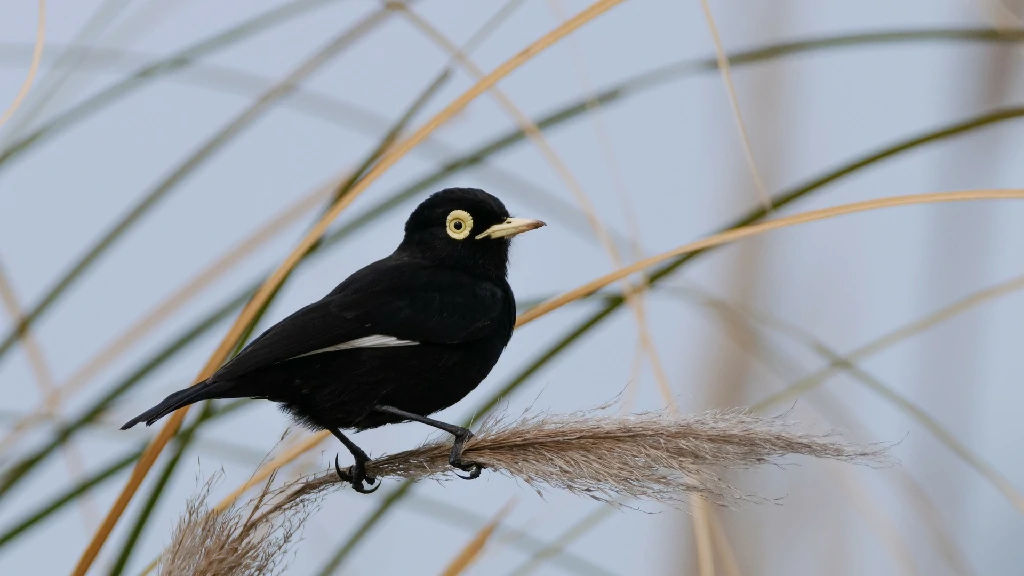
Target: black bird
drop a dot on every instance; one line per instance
(400, 339)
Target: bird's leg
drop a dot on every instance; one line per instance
(461, 435)
(356, 473)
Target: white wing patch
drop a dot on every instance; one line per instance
(375, 341)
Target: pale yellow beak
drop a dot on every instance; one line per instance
(510, 227)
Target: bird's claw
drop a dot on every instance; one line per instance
(473, 468)
(356, 476)
(455, 460)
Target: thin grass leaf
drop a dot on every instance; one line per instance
(157, 490)
(186, 435)
(346, 186)
(392, 156)
(33, 67)
(190, 164)
(17, 472)
(66, 62)
(911, 409)
(464, 519)
(558, 545)
(68, 497)
(155, 70)
(470, 553)
(251, 539)
(613, 303)
(631, 86)
(95, 480)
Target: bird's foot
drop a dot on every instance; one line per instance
(356, 476)
(455, 459)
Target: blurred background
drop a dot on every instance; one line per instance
(170, 154)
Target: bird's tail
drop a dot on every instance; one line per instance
(202, 391)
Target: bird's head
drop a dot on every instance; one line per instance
(465, 228)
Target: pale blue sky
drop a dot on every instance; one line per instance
(848, 281)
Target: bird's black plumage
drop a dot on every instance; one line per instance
(398, 340)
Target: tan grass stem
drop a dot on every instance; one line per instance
(165, 309)
(247, 540)
(726, 70)
(44, 380)
(389, 159)
(655, 456)
(742, 232)
(33, 67)
(536, 137)
(470, 553)
(730, 236)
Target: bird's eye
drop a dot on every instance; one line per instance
(459, 224)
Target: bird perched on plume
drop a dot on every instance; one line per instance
(398, 340)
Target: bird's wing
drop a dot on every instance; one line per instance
(418, 305)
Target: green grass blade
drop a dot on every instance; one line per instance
(69, 496)
(93, 481)
(462, 518)
(183, 440)
(389, 500)
(162, 67)
(779, 201)
(185, 168)
(15, 473)
(185, 436)
(553, 549)
(633, 85)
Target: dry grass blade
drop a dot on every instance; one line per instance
(471, 552)
(270, 286)
(722, 238)
(723, 66)
(633, 295)
(37, 54)
(44, 378)
(655, 456)
(741, 232)
(250, 540)
(164, 310)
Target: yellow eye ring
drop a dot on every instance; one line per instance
(459, 224)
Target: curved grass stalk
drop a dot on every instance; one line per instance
(743, 232)
(270, 286)
(614, 302)
(161, 312)
(50, 84)
(263, 103)
(890, 339)
(722, 60)
(534, 134)
(326, 107)
(17, 472)
(523, 540)
(44, 381)
(150, 72)
(96, 479)
(632, 85)
(927, 509)
(157, 490)
(981, 121)
(338, 192)
(557, 546)
(472, 550)
(904, 404)
(33, 67)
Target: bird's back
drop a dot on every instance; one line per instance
(427, 337)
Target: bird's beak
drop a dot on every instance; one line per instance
(510, 227)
